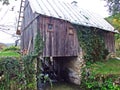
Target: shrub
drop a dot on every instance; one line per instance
(11, 48)
(10, 71)
(92, 81)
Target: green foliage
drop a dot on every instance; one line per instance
(101, 75)
(10, 70)
(115, 21)
(29, 71)
(38, 44)
(111, 66)
(29, 61)
(98, 82)
(38, 49)
(21, 72)
(45, 78)
(92, 44)
(10, 52)
(11, 48)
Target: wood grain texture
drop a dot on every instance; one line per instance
(58, 42)
(60, 39)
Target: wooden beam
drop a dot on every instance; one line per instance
(30, 23)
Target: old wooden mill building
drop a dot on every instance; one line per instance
(56, 20)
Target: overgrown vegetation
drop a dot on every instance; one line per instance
(115, 20)
(102, 76)
(11, 51)
(111, 66)
(92, 44)
(23, 72)
(98, 73)
(11, 48)
(10, 72)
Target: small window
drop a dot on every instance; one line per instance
(71, 32)
(50, 27)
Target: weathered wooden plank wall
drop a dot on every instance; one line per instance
(28, 31)
(60, 40)
(109, 41)
(59, 35)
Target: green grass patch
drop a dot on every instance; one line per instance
(102, 75)
(111, 66)
(11, 51)
(9, 54)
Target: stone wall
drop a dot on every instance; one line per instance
(69, 68)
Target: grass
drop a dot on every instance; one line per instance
(9, 54)
(111, 66)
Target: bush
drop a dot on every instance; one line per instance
(10, 72)
(92, 81)
(11, 48)
(17, 74)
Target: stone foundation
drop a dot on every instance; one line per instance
(69, 68)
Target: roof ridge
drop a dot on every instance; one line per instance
(66, 11)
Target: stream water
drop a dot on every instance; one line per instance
(60, 86)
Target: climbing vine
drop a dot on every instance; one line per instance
(92, 44)
(29, 71)
(38, 49)
(38, 52)
(21, 73)
(31, 60)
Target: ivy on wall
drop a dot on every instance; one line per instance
(92, 44)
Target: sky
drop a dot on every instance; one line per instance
(8, 21)
(97, 6)
(8, 16)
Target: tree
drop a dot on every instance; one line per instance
(5, 2)
(114, 6)
(115, 21)
(114, 9)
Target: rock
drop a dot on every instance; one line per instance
(70, 68)
(74, 67)
(117, 82)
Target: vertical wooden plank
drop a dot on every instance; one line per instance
(47, 38)
(109, 40)
(55, 37)
(28, 34)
